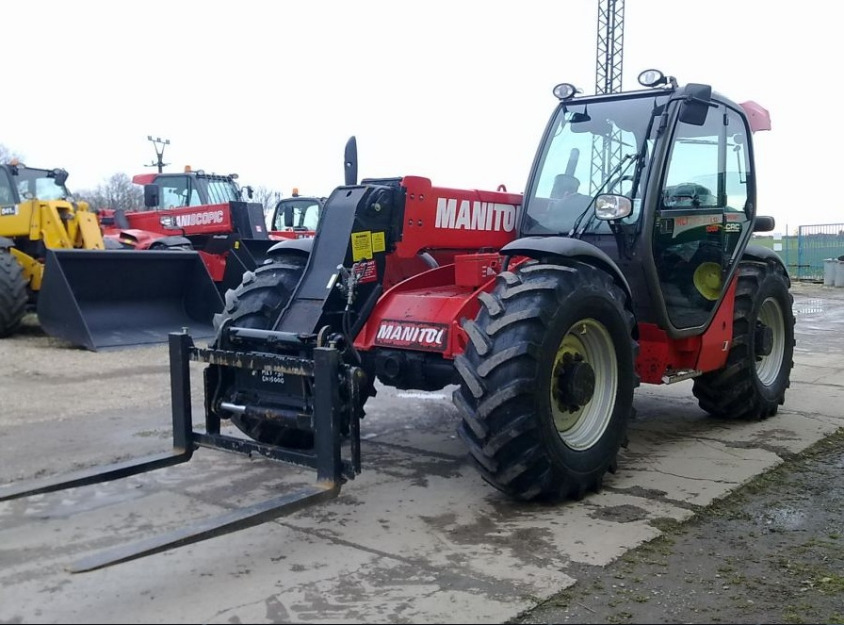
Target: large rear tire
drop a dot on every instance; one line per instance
(257, 303)
(752, 384)
(547, 381)
(13, 296)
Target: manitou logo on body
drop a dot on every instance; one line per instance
(468, 215)
(199, 219)
(428, 336)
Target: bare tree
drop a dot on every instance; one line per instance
(117, 192)
(268, 198)
(7, 154)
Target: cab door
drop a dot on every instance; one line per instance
(702, 215)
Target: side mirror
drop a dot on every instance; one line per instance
(61, 176)
(152, 195)
(694, 108)
(609, 207)
(763, 223)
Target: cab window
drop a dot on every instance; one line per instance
(7, 195)
(174, 191)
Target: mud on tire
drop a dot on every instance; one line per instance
(13, 296)
(547, 380)
(752, 384)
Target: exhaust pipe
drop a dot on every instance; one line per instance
(100, 299)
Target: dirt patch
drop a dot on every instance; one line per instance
(772, 552)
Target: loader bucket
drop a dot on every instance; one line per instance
(257, 248)
(101, 299)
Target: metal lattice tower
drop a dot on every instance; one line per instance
(610, 62)
(606, 151)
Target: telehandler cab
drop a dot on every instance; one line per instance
(628, 259)
(295, 217)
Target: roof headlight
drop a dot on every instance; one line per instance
(565, 91)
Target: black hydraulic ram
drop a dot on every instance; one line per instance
(324, 367)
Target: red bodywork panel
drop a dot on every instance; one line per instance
(215, 263)
(142, 179)
(422, 307)
(660, 355)
(440, 218)
(291, 234)
(210, 219)
(422, 313)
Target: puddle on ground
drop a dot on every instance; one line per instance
(812, 306)
(787, 519)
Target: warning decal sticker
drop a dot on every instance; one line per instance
(378, 242)
(361, 245)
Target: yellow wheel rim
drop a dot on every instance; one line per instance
(588, 341)
(707, 279)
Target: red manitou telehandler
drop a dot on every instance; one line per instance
(627, 259)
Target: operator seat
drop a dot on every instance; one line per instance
(564, 204)
(689, 195)
(564, 185)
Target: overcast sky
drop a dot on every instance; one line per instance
(456, 91)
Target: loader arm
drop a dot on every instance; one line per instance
(62, 224)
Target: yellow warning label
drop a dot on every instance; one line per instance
(361, 245)
(378, 242)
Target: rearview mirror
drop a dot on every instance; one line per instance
(763, 223)
(151, 195)
(609, 207)
(61, 176)
(694, 108)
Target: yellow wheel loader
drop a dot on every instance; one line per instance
(37, 213)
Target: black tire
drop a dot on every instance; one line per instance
(256, 303)
(180, 247)
(752, 384)
(258, 300)
(13, 295)
(542, 337)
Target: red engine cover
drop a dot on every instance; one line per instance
(461, 230)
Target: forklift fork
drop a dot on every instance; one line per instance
(332, 470)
